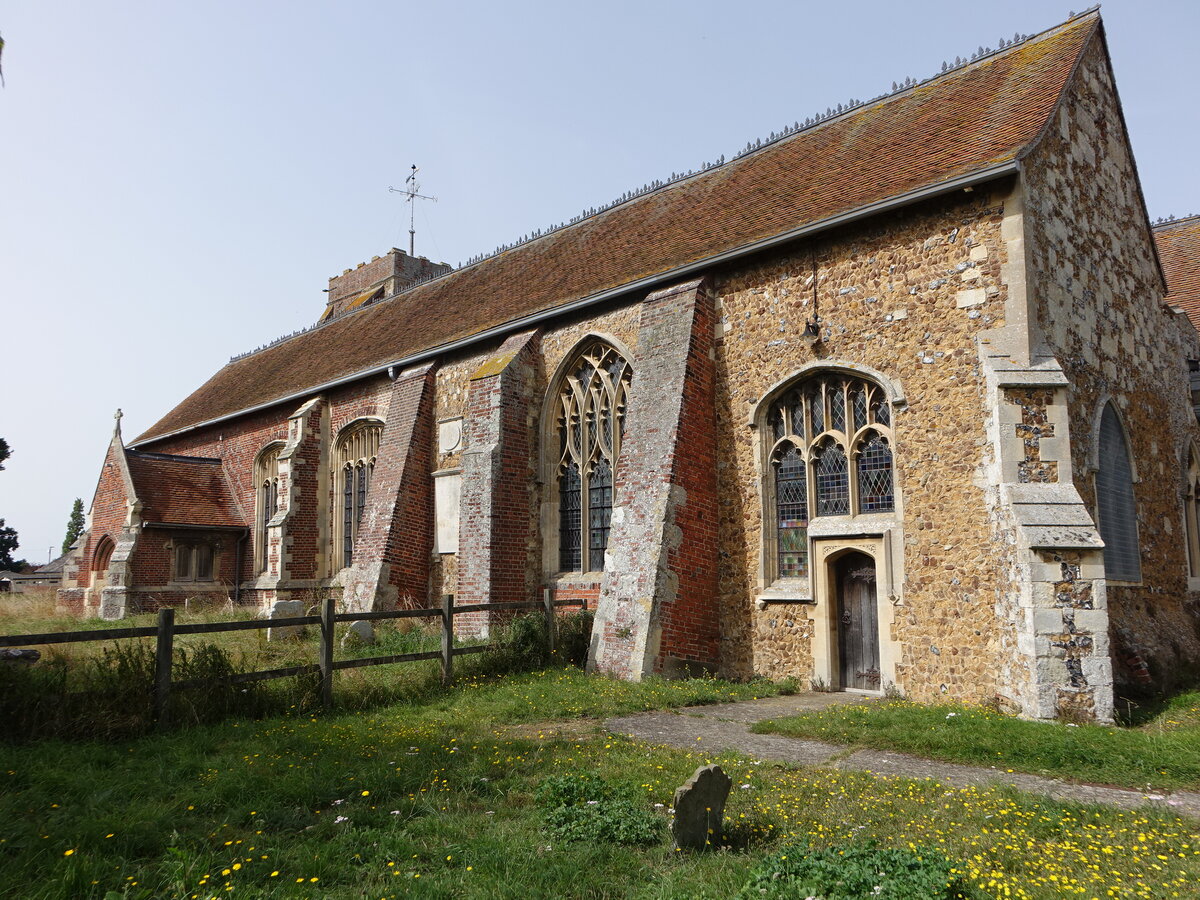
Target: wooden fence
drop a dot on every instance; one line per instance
(166, 631)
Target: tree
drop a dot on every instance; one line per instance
(74, 525)
(8, 543)
(8, 536)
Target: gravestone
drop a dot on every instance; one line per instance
(360, 633)
(19, 656)
(700, 808)
(286, 609)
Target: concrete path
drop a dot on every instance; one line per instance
(726, 726)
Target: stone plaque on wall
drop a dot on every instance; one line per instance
(447, 488)
(449, 435)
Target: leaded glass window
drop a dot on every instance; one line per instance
(570, 519)
(1115, 504)
(831, 472)
(791, 506)
(831, 455)
(591, 424)
(354, 459)
(875, 475)
(266, 478)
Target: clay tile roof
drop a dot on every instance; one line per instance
(1179, 251)
(963, 122)
(183, 490)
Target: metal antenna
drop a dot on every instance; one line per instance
(411, 192)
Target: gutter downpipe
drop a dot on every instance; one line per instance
(1009, 167)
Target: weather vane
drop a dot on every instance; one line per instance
(411, 192)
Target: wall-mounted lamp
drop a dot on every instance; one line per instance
(812, 329)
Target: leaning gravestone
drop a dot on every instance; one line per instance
(286, 609)
(360, 633)
(700, 808)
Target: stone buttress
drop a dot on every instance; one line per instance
(1056, 659)
(395, 536)
(657, 609)
(497, 512)
(296, 534)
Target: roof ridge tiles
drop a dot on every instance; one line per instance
(1164, 222)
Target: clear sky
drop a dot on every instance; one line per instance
(179, 180)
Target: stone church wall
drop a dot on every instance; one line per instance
(905, 295)
(1093, 266)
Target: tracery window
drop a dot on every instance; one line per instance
(590, 424)
(1191, 514)
(266, 481)
(831, 455)
(354, 461)
(1115, 507)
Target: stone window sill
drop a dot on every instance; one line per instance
(786, 592)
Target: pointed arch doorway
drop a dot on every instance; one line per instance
(857, 616)
(854, 612)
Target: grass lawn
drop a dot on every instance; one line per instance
(1162, 752)
(438, 799)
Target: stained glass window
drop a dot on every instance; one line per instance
(591, 427)
(812, 429)
(791, 505)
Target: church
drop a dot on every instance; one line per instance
(901, 399)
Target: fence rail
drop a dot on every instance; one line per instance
(166, 630)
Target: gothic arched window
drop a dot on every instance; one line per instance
(353, 462)
(1115, 507)
(266, 500)
(1191, 514)
(830, 455)
(590, 414)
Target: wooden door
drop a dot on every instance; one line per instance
(858, 623)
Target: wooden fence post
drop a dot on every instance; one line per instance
(325, 660)
(447, 639)
(551, 631)
(163, 653)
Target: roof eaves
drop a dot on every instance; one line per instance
(990, 173)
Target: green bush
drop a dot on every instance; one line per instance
(852, 872)
(572, 790)
(612, 821)
(588, 808)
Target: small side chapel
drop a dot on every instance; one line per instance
(903, 398)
